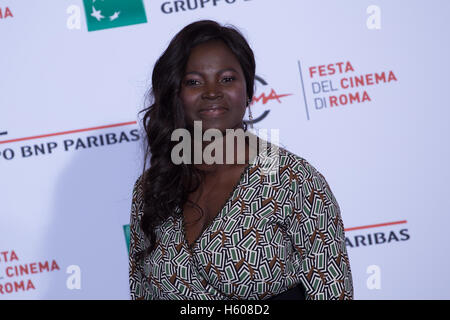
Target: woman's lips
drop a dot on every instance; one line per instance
(213, 111)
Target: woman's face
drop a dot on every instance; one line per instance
(213, 89)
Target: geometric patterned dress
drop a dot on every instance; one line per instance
(274, 232)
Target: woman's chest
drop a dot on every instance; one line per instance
(206, 203)
(244, 251)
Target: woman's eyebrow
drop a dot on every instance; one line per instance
(227, 69)
(219, 72)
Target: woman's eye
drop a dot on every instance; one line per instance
(228, 79)
(191, 82)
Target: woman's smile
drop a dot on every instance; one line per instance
(212, 111)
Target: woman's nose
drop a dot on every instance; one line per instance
(212, 91)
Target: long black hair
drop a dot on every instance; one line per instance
(165, 185)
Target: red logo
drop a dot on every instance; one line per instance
(272, 96)
(264, 98)
(18, 273)
(5, 13)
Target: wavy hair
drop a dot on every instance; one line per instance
(166, 186)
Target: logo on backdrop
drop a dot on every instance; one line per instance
(168, 7)
(261, 101)
(383, 236)
(126, 232)
(17, 275)
(337, 85)
(105, 14)
(5, 13)
(28, 150)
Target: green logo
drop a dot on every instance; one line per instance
(105, 14)
(126, 231)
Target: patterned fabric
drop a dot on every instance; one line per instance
(274, 232)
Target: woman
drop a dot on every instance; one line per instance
(231, 230)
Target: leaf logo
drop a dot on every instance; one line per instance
(106, 14)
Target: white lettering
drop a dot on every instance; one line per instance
(74, 280)
(374, 20)
(374, 280)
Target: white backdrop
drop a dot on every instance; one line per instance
(70, 149)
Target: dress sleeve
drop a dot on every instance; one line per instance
(138, 284)
(316, 230)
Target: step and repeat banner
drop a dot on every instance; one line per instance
(357, 88)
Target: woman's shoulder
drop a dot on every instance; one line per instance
(305, 174)
(298, 165)
(139, 183)
(137, 187)
(138, 196)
